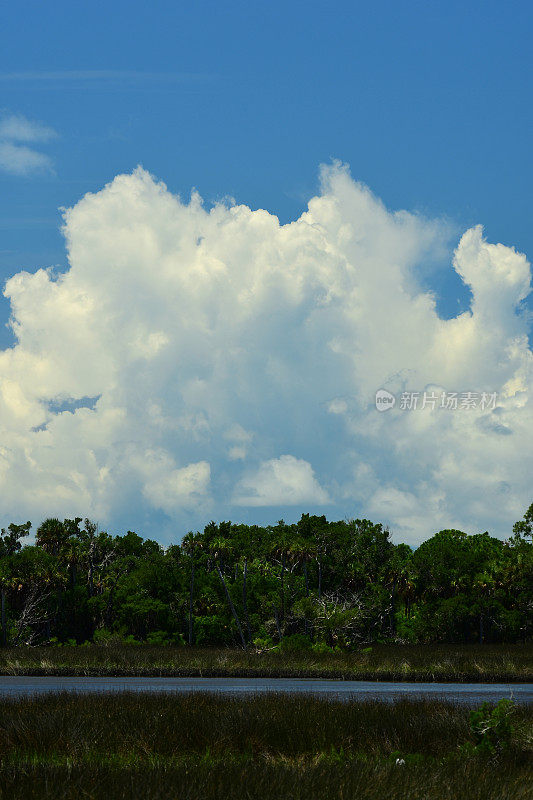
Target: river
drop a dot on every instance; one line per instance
(464, 693)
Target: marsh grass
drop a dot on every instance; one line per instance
(165, 725)
(135, 745)
(266, 782)
(457, 663)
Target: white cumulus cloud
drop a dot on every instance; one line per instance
(167, 488)
(215, 341)
(281, 481)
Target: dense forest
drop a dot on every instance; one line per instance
(312, 584)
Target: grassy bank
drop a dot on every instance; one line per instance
(268, 747)
(460, 663)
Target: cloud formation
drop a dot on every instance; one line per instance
(16, 157)
(234, 361)
(284, 481)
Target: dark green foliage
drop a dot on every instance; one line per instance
(295, 643)
(325, 585)
(492, 727)
(525, 527)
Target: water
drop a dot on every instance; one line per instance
(464, 693)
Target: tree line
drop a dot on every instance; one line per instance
(312, 584)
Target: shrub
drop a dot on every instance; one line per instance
(164, 638)
(492, 727)
(322, 647)
(108, 638)
(264, 643)
(212, 629)
(295, 643)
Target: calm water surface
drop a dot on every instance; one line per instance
(467, 693)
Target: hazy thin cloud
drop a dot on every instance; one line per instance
(16, 157)
(15, 127)
(103, 75)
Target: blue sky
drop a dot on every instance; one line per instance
(429, 104)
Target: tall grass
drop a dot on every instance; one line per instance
(496, 663)
(169, 726)
(134, 745)
(353, 781)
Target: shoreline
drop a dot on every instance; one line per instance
(382, 663)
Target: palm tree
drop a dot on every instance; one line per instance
(302, 550)
(9, 545)
(245, 598)
(485, 585)
(281, 549)
(34, 580)
(219, 549)
(51, 536)
(189, 544)
(3, 622)
(320, 554)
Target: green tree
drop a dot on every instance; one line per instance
(525, 526)
(9, 545)
(220, 549)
